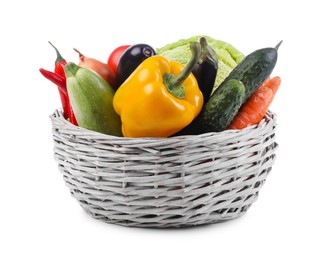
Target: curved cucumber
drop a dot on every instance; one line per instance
(220, 110)
(253, 70)
(91, 99)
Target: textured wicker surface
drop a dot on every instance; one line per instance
(169, 182)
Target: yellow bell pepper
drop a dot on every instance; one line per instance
(159, 98)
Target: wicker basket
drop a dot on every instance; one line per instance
(165, 182)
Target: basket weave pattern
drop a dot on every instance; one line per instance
(165, 182)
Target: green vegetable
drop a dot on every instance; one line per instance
(254, 69)
(91, 99)
(220, 110)
(228, 56)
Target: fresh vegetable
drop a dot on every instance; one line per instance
(166, 93)
(253, 70)
(132, 57)
(220, 110)
(205, 71)
(254, 109)
(61, 84)
(114, 58)
(228, 55)
(227, 99)
(91, 98)
(59, 78)
(99, 67)
(60, 63)
(159, 98)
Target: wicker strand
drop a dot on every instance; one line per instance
(165, 182)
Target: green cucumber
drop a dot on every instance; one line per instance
(253, 70)
(236, 88)
(219, 111)
(91, 99)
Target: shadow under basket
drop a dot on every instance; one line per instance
(165, 182)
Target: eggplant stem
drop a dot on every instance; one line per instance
(208, 53)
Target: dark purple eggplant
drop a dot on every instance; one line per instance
(131, 58)
(205, 71)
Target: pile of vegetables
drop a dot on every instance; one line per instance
(192, 86)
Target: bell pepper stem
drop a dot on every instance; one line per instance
(196, 52)
(173, 83)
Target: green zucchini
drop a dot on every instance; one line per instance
(219, 111)
(91, 99)
(253, 70)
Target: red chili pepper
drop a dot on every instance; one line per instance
(60, 81)
(61, 84)
(59, 63)
(58, 77)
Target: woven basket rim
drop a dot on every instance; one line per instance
(270, 116)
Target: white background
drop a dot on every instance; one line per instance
(40, 220)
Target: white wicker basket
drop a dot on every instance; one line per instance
(165, 182)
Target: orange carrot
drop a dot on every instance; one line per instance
(254, 109)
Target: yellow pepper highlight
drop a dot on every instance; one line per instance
(148, 108)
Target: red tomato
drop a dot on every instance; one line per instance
(115, 56)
